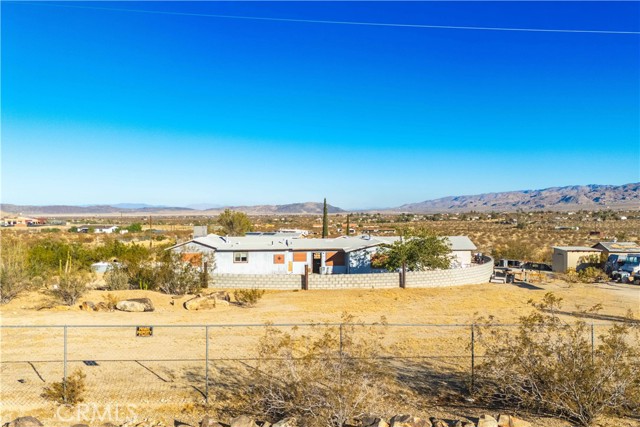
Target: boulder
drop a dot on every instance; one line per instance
(24, 422)
(409, 421)
(436, 422)
(208, 421)
(511, 421)
(371, 421)
(88, 306)
(135, 305)
(464, 424)
(131, 306)
(286, 422)
(487, 421)
(221, 296)
(201, 303)
(80, 425)
(243, 421)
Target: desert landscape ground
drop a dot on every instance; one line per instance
(427, 335)
(164, 375)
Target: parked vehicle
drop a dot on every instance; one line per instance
(508, 263)
(614, 263)
(630, 268)
(537, 266)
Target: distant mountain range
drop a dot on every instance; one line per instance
(313, 208)
(556, 198)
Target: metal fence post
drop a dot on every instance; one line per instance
(64, 378)
(593, 344)
(473, 358)
(206, 364)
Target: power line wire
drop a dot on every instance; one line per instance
(318, 21)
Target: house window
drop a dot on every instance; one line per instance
(240, 257)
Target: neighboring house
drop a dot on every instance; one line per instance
(106, 229)
(617, 248)
(566, 257)
(281, 254)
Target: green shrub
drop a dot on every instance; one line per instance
(248, 297)
(70, 392)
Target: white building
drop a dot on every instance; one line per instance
(281, 254)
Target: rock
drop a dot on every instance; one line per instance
(222, 296)
(135, 305)
(464, 424)
(371, 421)
(243, 421)
(286, 422)
(201, 303)
(409, 421)
(511, 421)
(487, 421)
(24, 422)
(88, 306)
(130, 306)
(80, 425)
(208, 421)
(435, 422)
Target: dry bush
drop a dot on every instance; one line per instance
(586, 275)
(316, 379)
(548, 365)
(117, 279)
(248, 297)
(70, 284)
(68, 392)
(175, 277)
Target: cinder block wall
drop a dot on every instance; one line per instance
(258, 281)
(419, 279)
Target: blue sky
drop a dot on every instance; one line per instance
(174, 108)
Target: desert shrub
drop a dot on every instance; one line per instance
(586, 275)
(117, 279)
(70, 284)
(14, 273)
(515, 249)
(548, 365)
(111, 300)
(248, 297)
(175, 277)
(315, 379)
(592, 275)
(68, 392)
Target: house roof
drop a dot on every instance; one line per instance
(283, 243)
(618, 246)
(98, 227)
(576, 248)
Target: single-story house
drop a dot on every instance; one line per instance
(617, 248)
(106, 229)
(566, 257)
(282, 254)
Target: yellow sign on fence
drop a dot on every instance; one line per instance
(144, 331)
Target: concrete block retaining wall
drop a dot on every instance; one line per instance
(258, 281)
(419, 279)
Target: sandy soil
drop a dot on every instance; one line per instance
(164, 375)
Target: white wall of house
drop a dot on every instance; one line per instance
(461, 257)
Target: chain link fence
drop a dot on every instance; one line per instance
(179, 364)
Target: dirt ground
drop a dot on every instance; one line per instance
(164, 375)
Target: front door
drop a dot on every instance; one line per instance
(317, 262)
